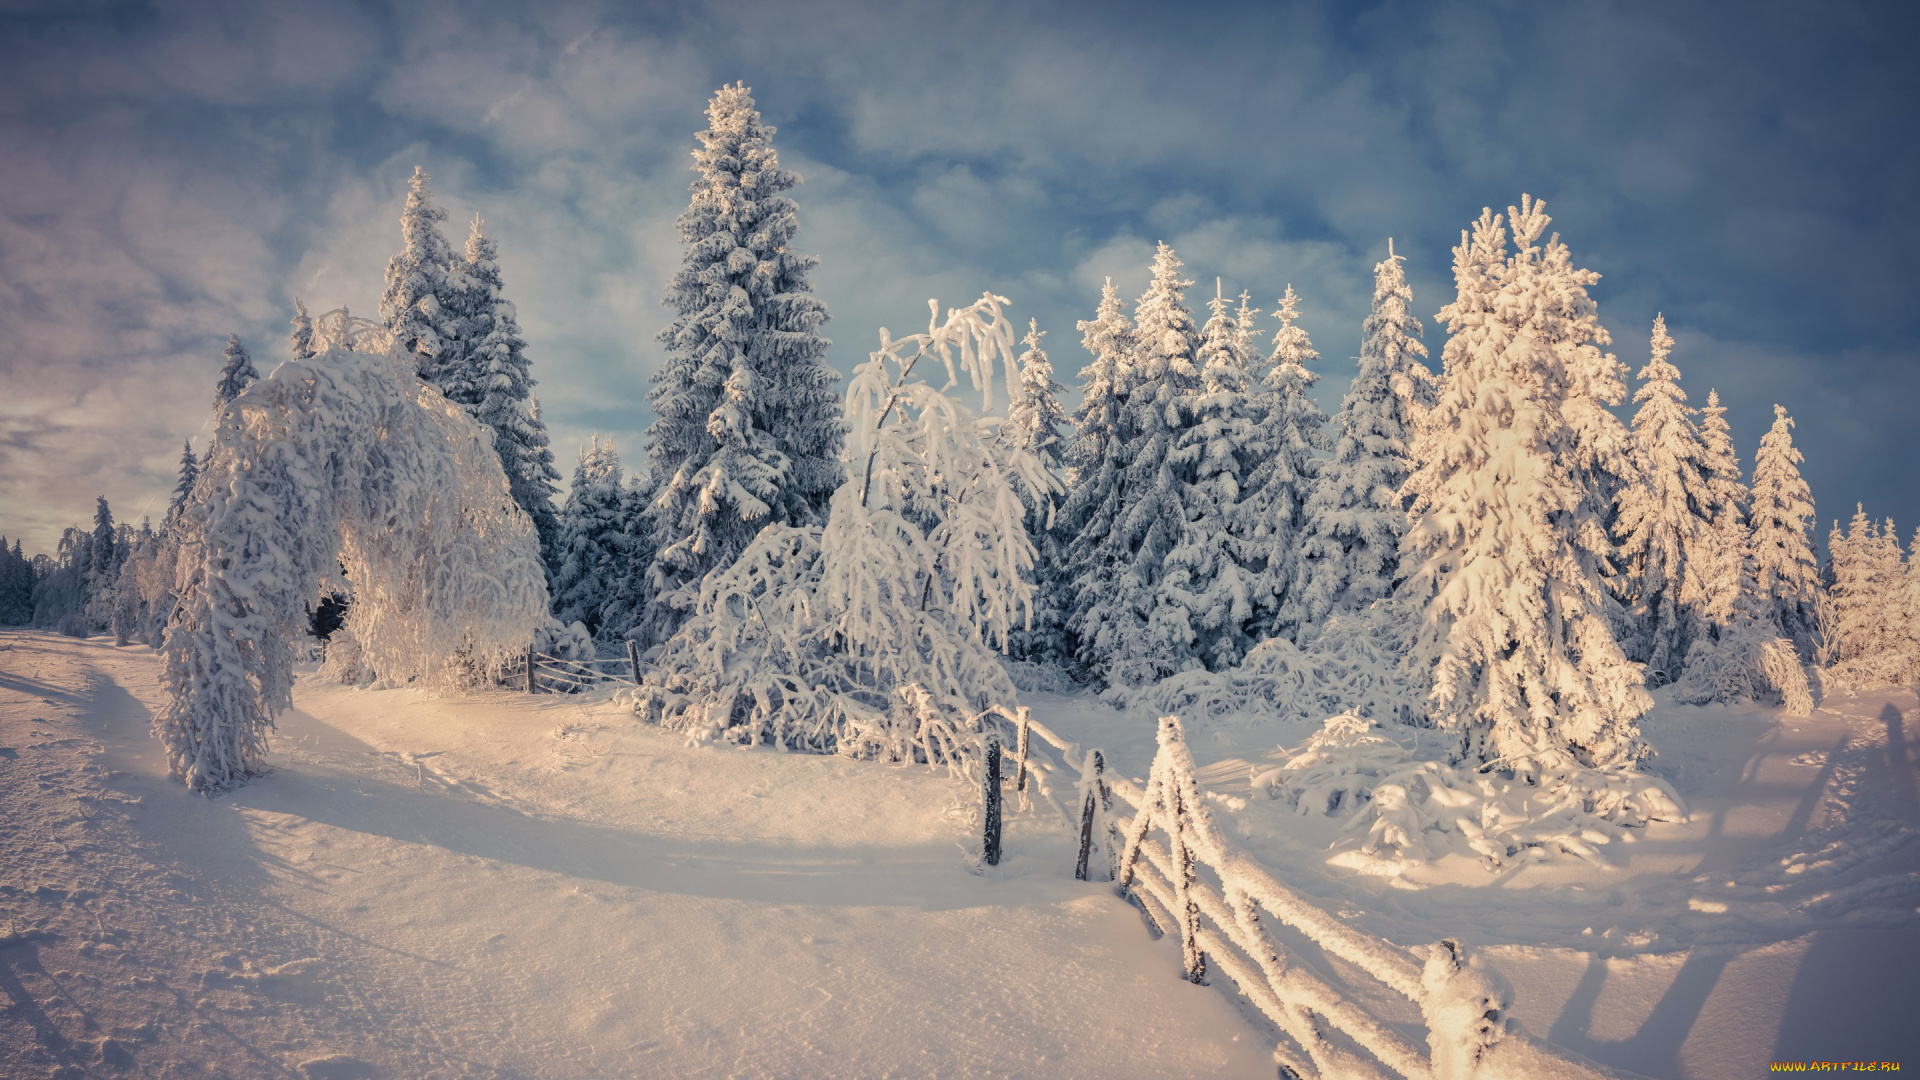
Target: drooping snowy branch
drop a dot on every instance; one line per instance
(343, 459)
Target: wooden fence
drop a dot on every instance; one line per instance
(1168, 857)
(537, 672)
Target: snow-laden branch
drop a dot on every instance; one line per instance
(341, 460)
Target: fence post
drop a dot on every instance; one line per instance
(1096, 799)
(530, 668)
(1192, 958)
(990, 795)
(633, 657)
(1020, 769)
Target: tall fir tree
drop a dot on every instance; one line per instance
(1128, 630)
(591, 539)
(1094, 465)
(1285, 481)
(1868, 636)
(1787, 577)
(422, 299)
(497, 389)
(1727, 578)
(1034, 422)
(1507, 549)
(1354, 516)
(300, 337)
(750, 426)
(1212, 571)
(182, 488)
(236, 374)
(1670, 547)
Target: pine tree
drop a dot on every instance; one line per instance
(1726, 577)
(1354, 516)
(1667, 518)
(497, 389)
(236, 375)
(421, 302)
(300, 340)
(1787, 577)
(1033, 424)
(183, 488)
(1285, 481)
(1095, 466)
(1507, 549)
(591, 531)
(1128, 630)
(749, 427)
(1211, 572)
(1868, 637)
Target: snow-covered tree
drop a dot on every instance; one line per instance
(1128, 629)
(1095, 465)
(749, 427)
(1726, 577)
(422, 299)
(1297, 428)
(182, 488)
(236, 374)
(1212, 570)
(820, 639)
(498, 389)
(591, 537)
(1787, 578)
(1349, 552)
(1666, 519)
(1507, 550)
(1869, 641)
(1034, 424)
(341, 460)
(300, 338)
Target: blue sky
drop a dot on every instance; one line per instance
(172, 172)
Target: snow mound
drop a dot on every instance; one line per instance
(1407, 810)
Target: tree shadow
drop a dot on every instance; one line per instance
(1900, 765)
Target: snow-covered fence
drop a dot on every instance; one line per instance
(537, 672)
(1193, 883)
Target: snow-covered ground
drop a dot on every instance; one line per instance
(500, 886)
(508, 886)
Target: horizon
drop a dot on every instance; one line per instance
(174, 177)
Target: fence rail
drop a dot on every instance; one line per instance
(538, 672)
(1168, 857)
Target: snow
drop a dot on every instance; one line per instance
(498, 885)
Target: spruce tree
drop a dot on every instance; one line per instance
(1787, 577)
(1034, 422)
(750, 426)
(1507, 552)
(422, 299)
(183, 488)
(236, 374)
(1670, 545)
(591, 528)
(300, 339)
(1867, 633)
(1725, 577)
(1209, 572)
(497, 389)
(1130, 631)
(1281, 487)
(1094, 462)
(1354, 516)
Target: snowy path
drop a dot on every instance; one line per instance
(499, 887)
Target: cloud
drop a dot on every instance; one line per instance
(173, 175)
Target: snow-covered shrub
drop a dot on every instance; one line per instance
(1352, 665)
(923, 568)
(565, 641)
(1408, 808)
(345, 458)
(1747, 663)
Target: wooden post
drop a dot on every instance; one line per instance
(1096, 798)
(530, 688)
(1020, 769)
(633, 657)
(990, 796)
(1192, 958)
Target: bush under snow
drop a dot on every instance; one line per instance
(1406, 809)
